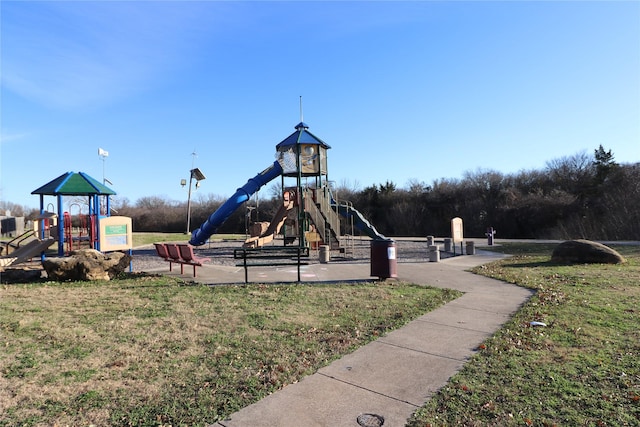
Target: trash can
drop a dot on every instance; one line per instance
(325, 254)
(471, 248)
(384, 263)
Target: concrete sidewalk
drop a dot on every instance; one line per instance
(390, 378)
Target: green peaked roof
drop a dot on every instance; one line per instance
(301, 136)
(74, 184)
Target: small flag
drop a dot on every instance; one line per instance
(103, 153)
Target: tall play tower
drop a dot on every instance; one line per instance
(302, 165)
(303, 157)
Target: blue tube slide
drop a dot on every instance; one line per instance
(242, 194)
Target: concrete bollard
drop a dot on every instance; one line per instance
(471, 248)
(324, 254)
(434, 253)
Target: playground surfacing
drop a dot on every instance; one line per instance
(220, 253)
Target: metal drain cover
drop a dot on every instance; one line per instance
(370, 420)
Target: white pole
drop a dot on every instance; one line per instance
(189, 205)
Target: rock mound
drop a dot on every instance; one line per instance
(86, 264)
(585, 252)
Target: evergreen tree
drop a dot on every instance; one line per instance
(604, 164)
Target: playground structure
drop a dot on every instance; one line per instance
(309, 213)
(79, 229)
(94, 229)
(274, 227)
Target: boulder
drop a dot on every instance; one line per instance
(86, 264)
(585, 252)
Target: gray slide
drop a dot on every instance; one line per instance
(360, 222)
(26, 252)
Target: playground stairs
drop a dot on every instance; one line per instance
(318, 206)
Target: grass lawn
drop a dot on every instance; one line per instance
(156, 351)
(582, 369)
(141, 239)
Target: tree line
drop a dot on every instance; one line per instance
(578, 196)
(573, 197)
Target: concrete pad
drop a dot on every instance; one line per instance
(320, 401)
(503, 302)
(481, 257)
(436, 339)
(402, 374)
(461, 316)
(448, 277)
(341, 271)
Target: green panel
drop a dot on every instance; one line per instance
(115, 229)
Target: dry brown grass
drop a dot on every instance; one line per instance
(151, 350)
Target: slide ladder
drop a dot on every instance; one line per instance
(318, 206)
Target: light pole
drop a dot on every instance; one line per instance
(198, 176)
(103, 154)
(247, 220)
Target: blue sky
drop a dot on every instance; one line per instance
(402, 91)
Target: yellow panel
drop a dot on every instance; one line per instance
(115, 233)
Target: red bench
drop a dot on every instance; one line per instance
(161, 250)
(187, 255)
(180, 254)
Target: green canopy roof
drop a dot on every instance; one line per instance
(74, 184)
(301, 136)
